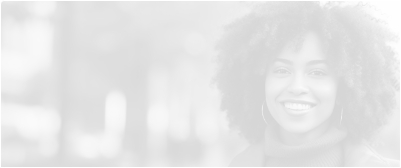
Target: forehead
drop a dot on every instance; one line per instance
(308, 48)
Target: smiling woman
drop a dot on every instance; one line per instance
(308, 84)
(301, 92)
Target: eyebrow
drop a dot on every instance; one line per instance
(313, 62)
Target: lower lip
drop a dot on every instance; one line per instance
(297, 112)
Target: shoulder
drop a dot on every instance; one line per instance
(360, 154)
(253, 155)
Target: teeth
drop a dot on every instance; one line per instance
(297, 106)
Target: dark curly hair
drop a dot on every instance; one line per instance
(357, 44)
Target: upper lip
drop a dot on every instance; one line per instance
(298, 101)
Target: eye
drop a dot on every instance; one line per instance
(282, 71)
(318, 73)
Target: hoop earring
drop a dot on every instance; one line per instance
(341, 116)
(263, 114)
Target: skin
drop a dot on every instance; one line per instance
(296, 76)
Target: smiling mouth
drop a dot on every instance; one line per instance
(297, 106)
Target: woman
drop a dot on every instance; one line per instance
(308, 84)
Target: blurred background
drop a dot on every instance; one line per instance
(122, 84)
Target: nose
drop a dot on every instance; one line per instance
(298, 86)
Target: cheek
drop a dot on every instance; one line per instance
(272, 88)
(326, 92)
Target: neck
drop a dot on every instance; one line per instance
(293, 139)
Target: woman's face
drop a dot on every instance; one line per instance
(300, 88)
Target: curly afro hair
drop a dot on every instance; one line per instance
(357, 44)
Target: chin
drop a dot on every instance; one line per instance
(297, 129)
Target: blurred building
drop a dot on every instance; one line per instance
(112, 84)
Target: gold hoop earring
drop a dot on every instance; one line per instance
(263, 114)
(341, 116)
